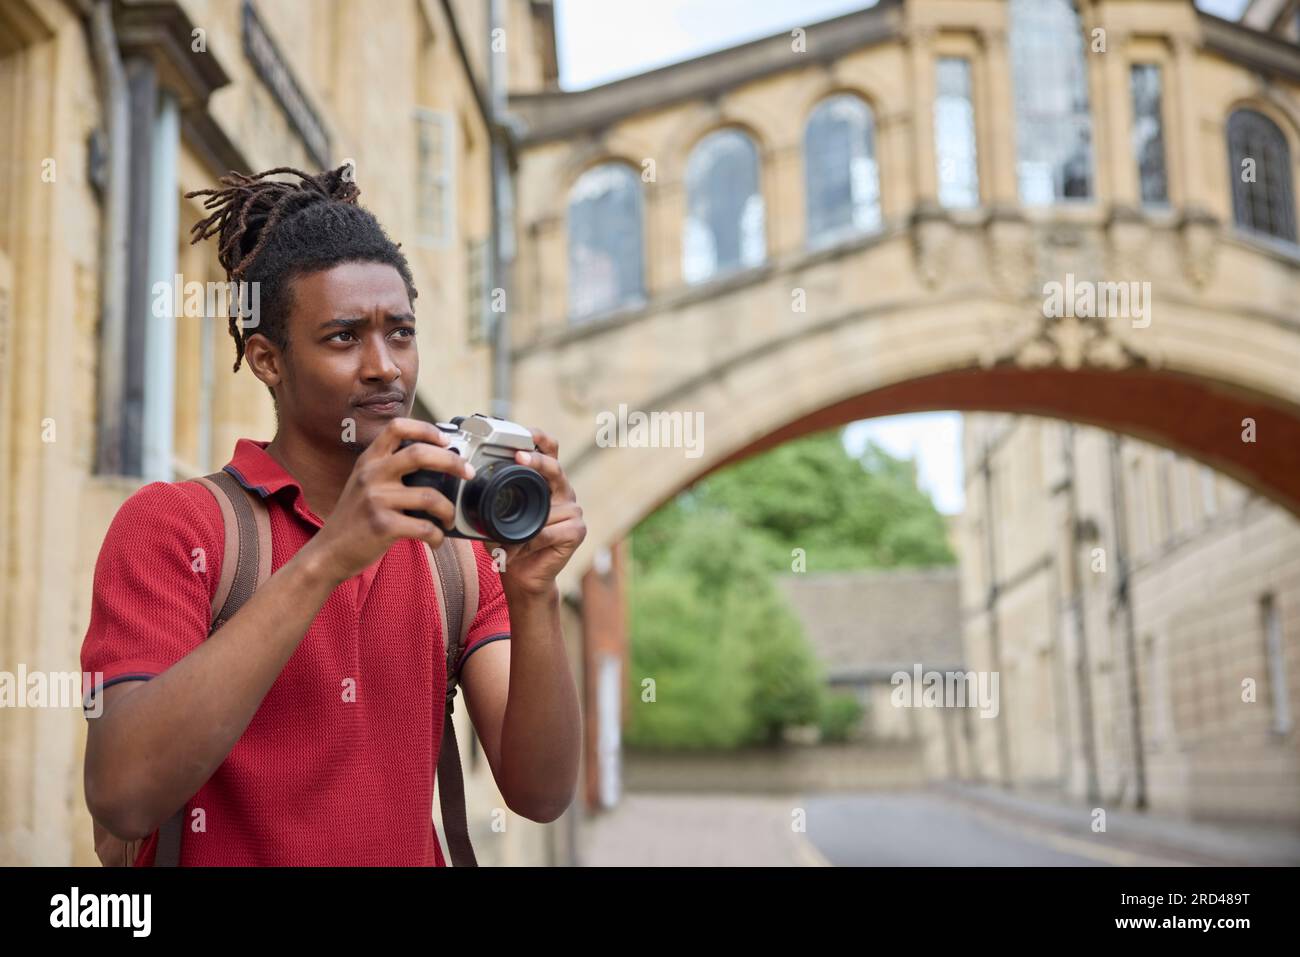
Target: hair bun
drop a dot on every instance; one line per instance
(341, 183)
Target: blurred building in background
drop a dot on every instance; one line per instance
(855, 218)
(868, 626)
(887, 212)
(1142, 609)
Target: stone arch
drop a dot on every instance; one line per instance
(1190, 395)
(612, 147)
(684, 140)
(835, 87)
(1272, 107)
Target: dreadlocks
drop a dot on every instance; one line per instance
(270, 231)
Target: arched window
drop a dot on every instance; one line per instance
(724, 207)
(1262, 196)
(605, 248)
(1053, 125)
(841, 179)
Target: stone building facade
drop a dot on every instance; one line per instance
(1144, 613)
(110, 112)
(694, 244)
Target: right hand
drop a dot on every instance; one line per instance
(369, 515)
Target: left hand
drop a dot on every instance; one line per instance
(531, 566)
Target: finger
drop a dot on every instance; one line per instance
(545, 442)
(563, 512)
(568, 533)
(395, 431)
(550, 469)
(407, 527)
(417, 499)
(424, 456)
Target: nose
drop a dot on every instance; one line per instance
(377, 363)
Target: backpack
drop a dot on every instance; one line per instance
(246, 563)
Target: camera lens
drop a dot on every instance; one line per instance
(507, 503)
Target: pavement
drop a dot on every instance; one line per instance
(1135, 833)
(942, 825)
(697, 830)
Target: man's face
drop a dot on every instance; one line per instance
(352, 360)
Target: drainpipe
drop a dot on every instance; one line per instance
(501, 236)
(1087, 736)
(160, 340)
(1124, 599)
(113, 235)
(991, 606)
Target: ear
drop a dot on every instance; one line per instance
(265, 358)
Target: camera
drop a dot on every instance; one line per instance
(504, 502)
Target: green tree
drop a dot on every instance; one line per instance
(729, 660)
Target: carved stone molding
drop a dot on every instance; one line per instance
(1064, 342)
(993, 38)
(575, 379)
(932, 233)
(1011, 254)
(923, 35)
(1128, 240)
(162, 31)
(1199, 231)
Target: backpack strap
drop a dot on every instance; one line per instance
(246, 561)
(245, 564)
(456, 586)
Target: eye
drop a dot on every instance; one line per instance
(344, 332)
(408, 330)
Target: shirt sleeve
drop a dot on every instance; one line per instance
(492, 623)
(153, 586)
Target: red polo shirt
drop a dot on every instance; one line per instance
(337, 765)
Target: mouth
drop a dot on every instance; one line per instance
(386, 403)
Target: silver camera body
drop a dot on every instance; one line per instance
(505, 502)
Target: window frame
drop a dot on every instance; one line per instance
(974, 132)
(444, 178)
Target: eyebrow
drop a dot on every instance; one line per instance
(351, 322)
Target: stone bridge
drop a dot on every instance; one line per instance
(841, 222)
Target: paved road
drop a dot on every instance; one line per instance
(923, 830)
(877, 829)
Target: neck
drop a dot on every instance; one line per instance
(321, 471)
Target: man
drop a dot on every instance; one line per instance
(305, 730)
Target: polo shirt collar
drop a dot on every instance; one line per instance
(255, 469)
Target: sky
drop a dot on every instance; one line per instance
(933, 439)
(603, 40)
